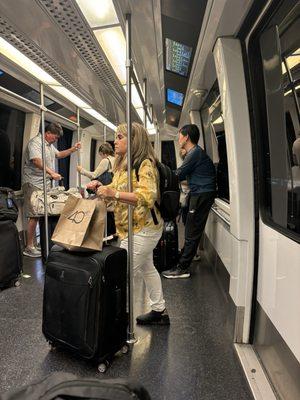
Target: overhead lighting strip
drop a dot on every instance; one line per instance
(38, 73)
(103, 20)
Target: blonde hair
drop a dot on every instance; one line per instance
(140, 145)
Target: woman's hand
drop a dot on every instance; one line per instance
(93, 185)
(106, 193)
(79, 168)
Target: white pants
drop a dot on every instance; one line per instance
(143, 244)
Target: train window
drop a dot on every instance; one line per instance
(168, 156)
(215, 140)
(14, 85)
(63, 143)
(279, 47)
(12, 123)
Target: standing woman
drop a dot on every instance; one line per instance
(104, 174)
(146, 233)
(106, 164)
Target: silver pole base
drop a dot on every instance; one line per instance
(131, 338)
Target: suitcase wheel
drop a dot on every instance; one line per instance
(52, 346)
(102, 368)
(124, 349)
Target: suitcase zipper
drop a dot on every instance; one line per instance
(90, 281)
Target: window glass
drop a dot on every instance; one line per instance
(215, 139)
(280, 55)
(168, 156)
(63, 143)
(12, 123)
(14, 85)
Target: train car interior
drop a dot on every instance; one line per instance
(232, 68)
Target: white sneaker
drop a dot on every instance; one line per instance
(31, 252)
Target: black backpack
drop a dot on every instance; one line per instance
(169, 193)
(8, 206)
(62, 385)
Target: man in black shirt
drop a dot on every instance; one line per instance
(199, 171)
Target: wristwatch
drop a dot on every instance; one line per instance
(117, 195)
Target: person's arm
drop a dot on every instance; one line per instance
(102, 167)
(38, 163)
(187, 166)
(147, 189)
(94, 185)
(85, 172)
(109, 193)
(67, 152)
(145, 194)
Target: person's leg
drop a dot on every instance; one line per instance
(30, 249)
(195, 224)
(143, 244)
(31, 229)
(153, 283)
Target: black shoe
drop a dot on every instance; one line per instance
(176, 273)
(154, 318)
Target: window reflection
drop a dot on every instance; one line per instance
(215, 139)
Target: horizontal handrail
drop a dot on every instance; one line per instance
(220, 215)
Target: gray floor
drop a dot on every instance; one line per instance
(192, 359)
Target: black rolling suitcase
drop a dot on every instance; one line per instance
(59, 386)
(10, 254)
(165, 254)
(52, 221)
(84, 307)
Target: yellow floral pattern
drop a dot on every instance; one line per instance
(146, 190)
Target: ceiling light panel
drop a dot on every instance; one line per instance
(113, 44)
(140, 112)
(20, 59)
(69, 95)
(135, 98)
(98, 12)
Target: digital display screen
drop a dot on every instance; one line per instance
(178, 57)
(175, 97)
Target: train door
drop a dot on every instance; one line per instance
(274, 55)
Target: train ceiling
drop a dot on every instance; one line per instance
(60, 38)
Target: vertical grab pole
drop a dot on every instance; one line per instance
(145, 106)
(104, 133)
(131, 335)
(43, 109)
(79, 150)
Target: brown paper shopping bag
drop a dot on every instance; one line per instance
(81, 225)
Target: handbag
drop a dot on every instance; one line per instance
(56, 200)
(106, 177)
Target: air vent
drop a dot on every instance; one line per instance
(68, 16)
(33, 52)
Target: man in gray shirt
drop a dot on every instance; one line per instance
(33, 175)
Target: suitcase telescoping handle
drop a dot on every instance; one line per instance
(60, 182)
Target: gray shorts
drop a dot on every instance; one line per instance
(28, 189)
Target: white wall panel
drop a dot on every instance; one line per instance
(279, 284)
(231, 80)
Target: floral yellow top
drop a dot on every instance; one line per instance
(146, 190)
